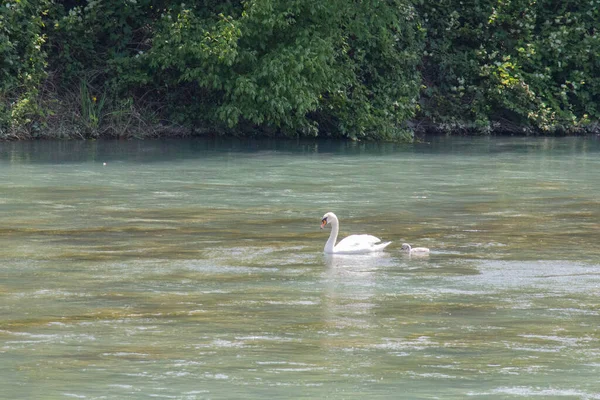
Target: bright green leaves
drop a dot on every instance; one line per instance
(196, 48)
(302, 67)
(263, 67)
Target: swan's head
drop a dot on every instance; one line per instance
(405, 247)
(327, 218)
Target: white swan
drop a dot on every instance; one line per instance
(414, 251)
(353, 244)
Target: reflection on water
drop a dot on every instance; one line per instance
(194, 269)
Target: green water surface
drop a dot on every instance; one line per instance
(193, 269)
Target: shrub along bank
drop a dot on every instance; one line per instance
(369, 69)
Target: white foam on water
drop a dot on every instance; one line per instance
(526, 391)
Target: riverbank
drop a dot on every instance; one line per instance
(136, 127)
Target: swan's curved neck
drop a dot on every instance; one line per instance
(332, 236)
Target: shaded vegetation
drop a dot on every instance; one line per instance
(371, 69)
(518, 66)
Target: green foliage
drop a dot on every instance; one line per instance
(295, 67)
(266, 66)
(22, 62)
(355, 69)
(517, 65)
(380, 49)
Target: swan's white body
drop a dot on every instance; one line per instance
(414, 251)
(353, 244)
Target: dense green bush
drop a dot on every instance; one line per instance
(519, 66)
(22, 64)
(293, 67)
(355, 69)
(272, 67)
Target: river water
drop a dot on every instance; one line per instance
(193, 269)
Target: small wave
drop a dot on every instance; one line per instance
(125, 354)
(526, 391)
(294, 302)
(77, 396)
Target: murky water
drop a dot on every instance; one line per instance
(193, 269)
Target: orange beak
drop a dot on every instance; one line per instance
(323, 223)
